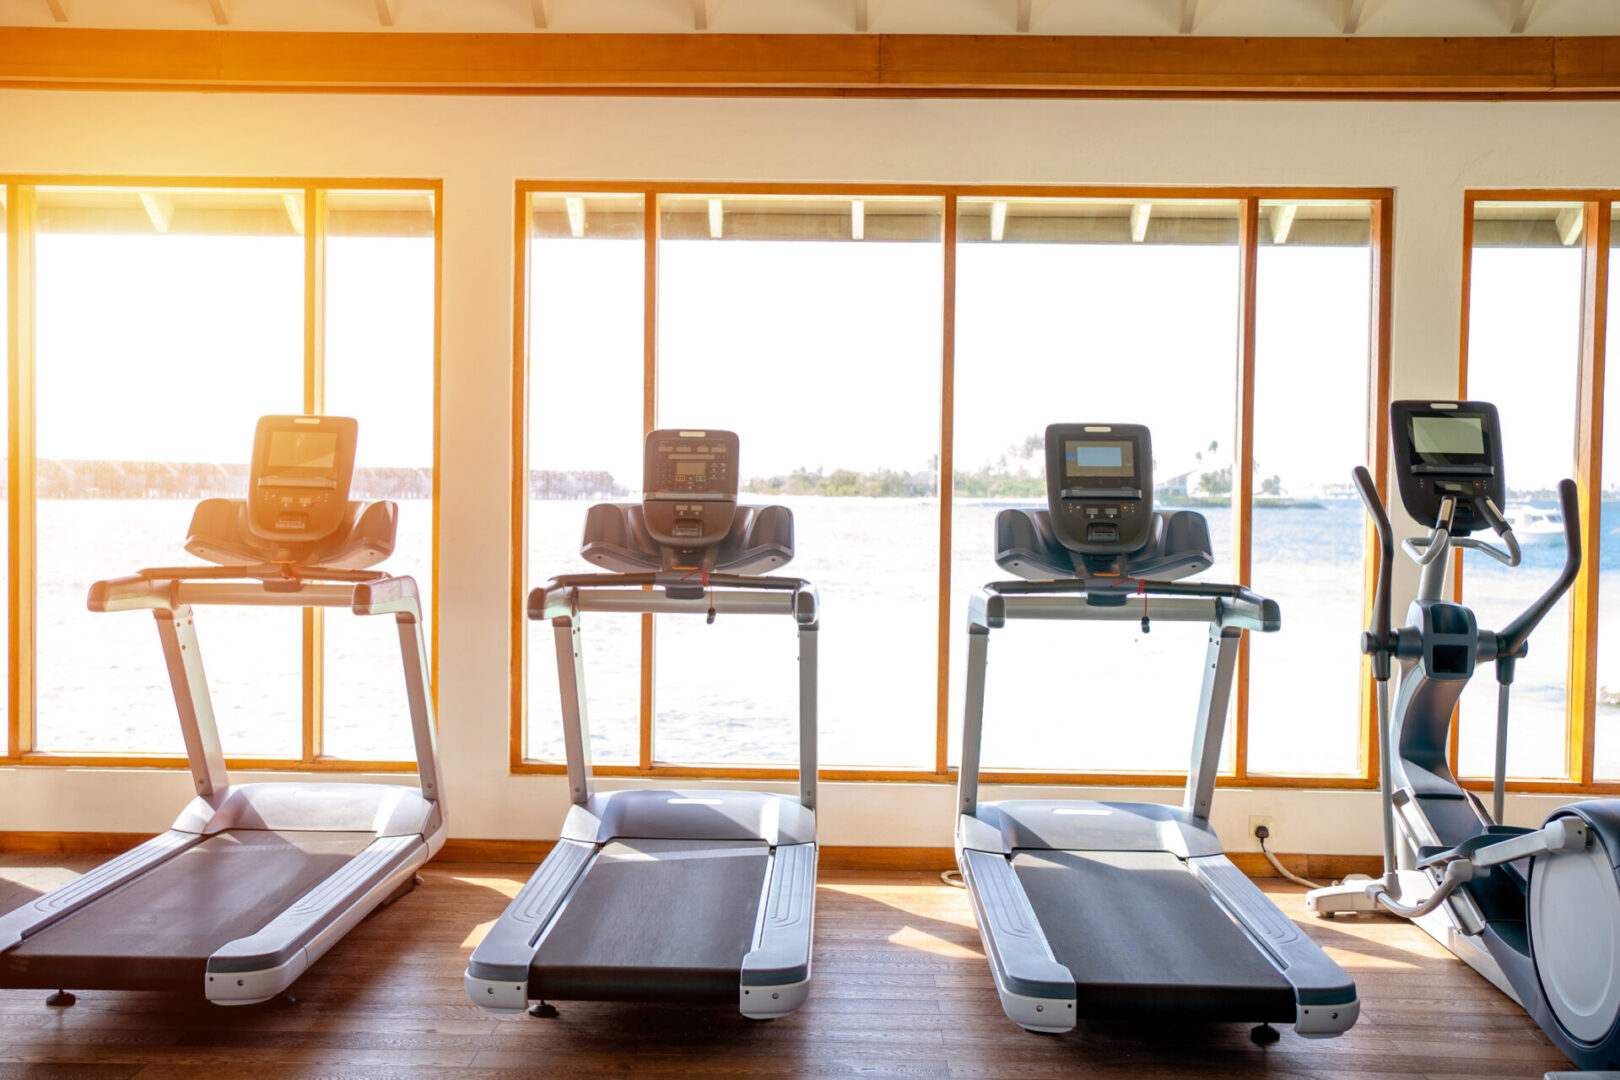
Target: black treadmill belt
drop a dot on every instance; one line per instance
(1142, 937)
(158, 931)
(655, 920)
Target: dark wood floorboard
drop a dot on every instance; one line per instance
(901, 989)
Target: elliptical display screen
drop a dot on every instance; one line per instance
(1449, 440)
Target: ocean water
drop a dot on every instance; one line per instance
(1060, 695)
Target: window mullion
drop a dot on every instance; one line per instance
(20, 279)
(314, 402)
(649, 420)
(946, 483)
(1581, 686)
(1243, 460)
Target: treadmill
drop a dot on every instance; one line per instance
(1124, 910)
(658, 895)
(253, 882)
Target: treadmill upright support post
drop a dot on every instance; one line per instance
(967, 776)
(424, 729)
(1220, 664)
(177, 630)
(576, 726)
(809, 639)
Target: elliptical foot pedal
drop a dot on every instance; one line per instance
(60, 1000)
(543, 1011)
(1264, 1035)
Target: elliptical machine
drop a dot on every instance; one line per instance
(1536, 911)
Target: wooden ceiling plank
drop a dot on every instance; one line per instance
(385, 12)
(293, 202)
(537, 8)
(1569, 222)
(1140, 213)
(1025, 11)
(1282, 221)
(159, 210)
(576, 216)
(217, 9)
(58, 11)
(862, 16)
(1189, 15)
(700, 14)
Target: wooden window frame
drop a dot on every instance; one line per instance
(1580, 686)
(1380, 240)
(21, 364)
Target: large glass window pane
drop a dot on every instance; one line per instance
(1312, 317)
(168, 322)
(379, 370)
(811, 327)
(585, 431)
(1607, 763)
(1523, 357)
(1090, 310)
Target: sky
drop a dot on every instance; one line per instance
(821, 355)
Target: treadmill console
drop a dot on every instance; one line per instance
(1448, 448)
(298, 482)
(690, 487)
(1099, 487)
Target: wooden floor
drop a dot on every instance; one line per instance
(901, 988)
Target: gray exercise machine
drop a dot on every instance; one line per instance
(658, 895)
(1536, 911)
(1125, 910)
(253, 882)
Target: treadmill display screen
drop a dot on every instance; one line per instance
(1083, 458)
(303, 450)
(1449, 440)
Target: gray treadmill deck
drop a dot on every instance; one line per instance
(655, 920)
(1142, 937)
(158, 931)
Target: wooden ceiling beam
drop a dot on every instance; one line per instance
(1189, 15)
(700, 14)
(293, 203)
(217, 9)
(385, 12)
(537, 9)
(878, 64)
(58, 11)
(862, 16)
(1025, 13)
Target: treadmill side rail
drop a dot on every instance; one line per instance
(1325, 995)
(498, 974)
(1036, 991)
(28, 920)
(256, 968)
(776, 971)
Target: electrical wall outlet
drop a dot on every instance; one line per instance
(1257, 820)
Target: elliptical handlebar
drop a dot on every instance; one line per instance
(1379, 635)
(1510, 641)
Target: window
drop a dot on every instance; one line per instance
(585, 345)
(838, 332)
(812, 329)
(1311, 418)
(1524, 357)
(168, 320)
(1061, 315)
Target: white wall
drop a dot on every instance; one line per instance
(1428, 152)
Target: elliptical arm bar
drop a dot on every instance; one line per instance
(1510, 641)
(1425, 551)
(1386, 545)
(1508, 556)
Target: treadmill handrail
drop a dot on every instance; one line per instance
(170, 592)
(741, 594)
(687, 592)
(1225, 606)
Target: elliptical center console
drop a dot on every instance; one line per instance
(1449, 450)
